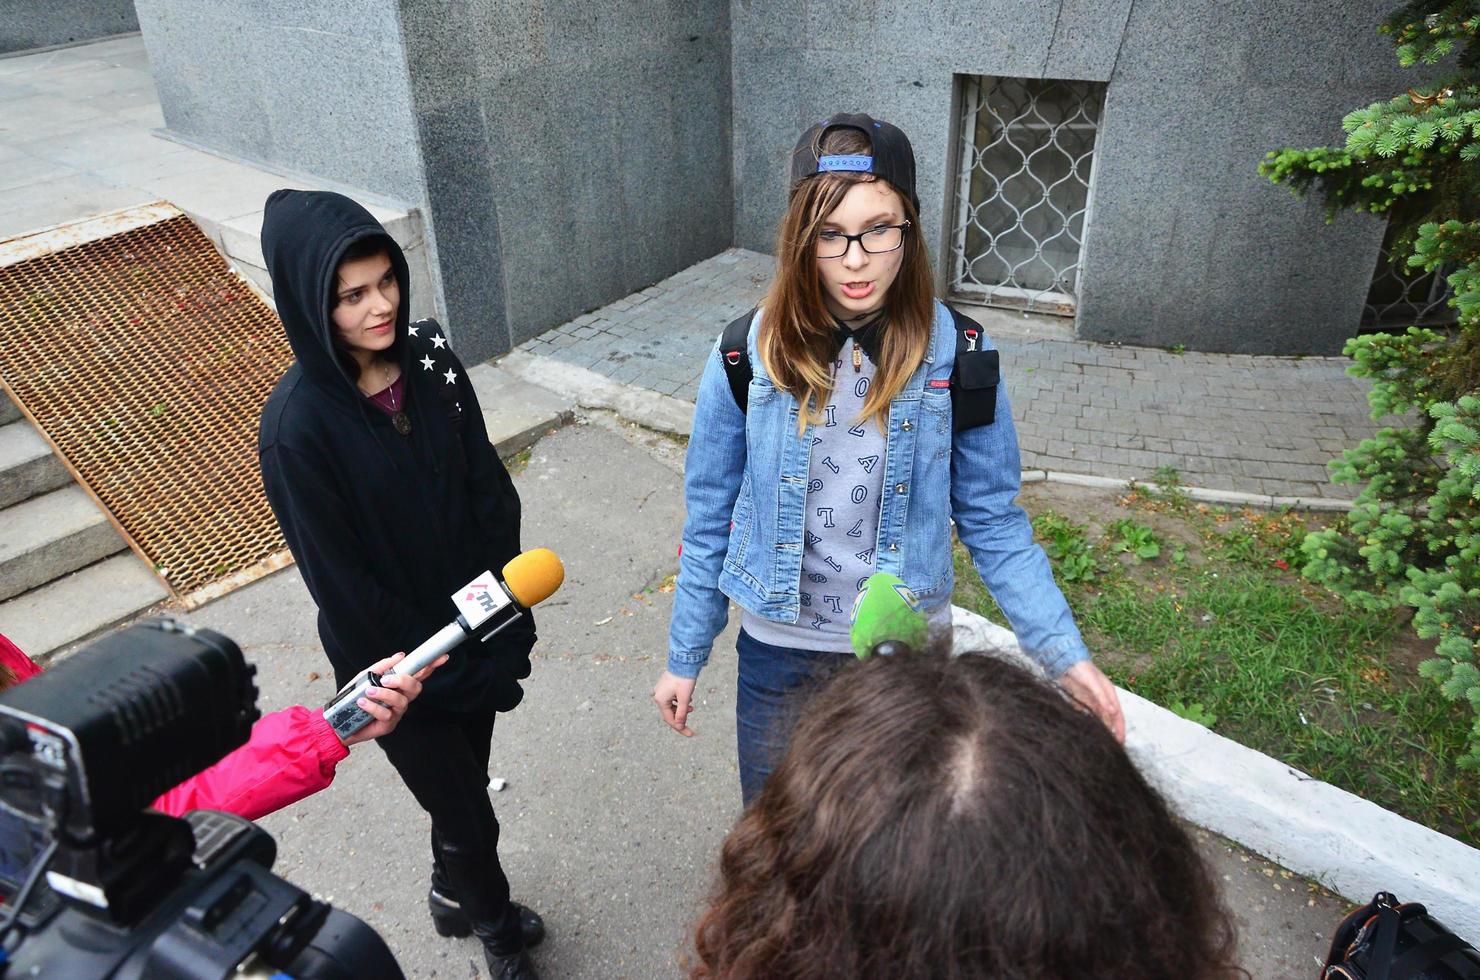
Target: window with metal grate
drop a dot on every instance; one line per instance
(1023, 190)
(1401, 296)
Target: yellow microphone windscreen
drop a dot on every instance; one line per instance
(533, 576)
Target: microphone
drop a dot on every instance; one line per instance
(886, 617)
(485, 606)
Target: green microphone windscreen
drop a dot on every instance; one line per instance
(886, 610)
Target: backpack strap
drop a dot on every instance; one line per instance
(974, 376)
(968, 332)
(734, 354)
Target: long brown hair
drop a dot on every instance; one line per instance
(951, 818)
(795, 341)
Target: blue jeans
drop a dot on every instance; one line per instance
(774, 685)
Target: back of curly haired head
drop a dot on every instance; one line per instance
(950, 818)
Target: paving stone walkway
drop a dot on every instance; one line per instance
(1262, 425)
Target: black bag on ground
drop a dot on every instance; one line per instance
(1391, 940)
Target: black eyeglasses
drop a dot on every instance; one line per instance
(880, 238)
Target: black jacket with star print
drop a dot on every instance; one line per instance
(384, 527)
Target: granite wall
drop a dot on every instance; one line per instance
(26, 24)
(1186, 243)
(574, 152)
(313, 88)
(564, 154)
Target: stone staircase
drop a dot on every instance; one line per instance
(65, 574)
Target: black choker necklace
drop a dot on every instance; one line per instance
(867, 337)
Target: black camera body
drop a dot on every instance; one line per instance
(128, 892)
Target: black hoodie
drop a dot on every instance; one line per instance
(384, 527)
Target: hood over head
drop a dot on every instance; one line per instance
(304, 236)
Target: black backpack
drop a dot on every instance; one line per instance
(1391, 940)
(974, 379)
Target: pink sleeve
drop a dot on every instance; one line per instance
(291, 754)
(22, 666)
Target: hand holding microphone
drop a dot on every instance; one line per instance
(485, 606)
(387, 704)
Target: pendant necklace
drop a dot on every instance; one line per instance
(400, 421)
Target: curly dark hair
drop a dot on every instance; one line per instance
(950, 818)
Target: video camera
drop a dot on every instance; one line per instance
(84, 749)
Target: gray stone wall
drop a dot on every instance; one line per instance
(314, 88)
(564, 153)
(574, 152)
(1186, 243)
(26, 24)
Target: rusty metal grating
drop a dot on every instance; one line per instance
(145, 361)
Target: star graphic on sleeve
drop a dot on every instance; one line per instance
(438, 340)
(412, 330)
(451, 376)
(427, 363)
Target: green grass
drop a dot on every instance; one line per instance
(1219, 627)
(519, 462)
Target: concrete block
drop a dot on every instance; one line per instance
(46, 537)
(516, 413)
(241, 238)
(8, 411)
(47, 620)
(591, 390)
(28, 467)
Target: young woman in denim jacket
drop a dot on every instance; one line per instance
(843, 461)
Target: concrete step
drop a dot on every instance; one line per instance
(516, 413)
(239, 239)
(48, 536)
(28, 467)
(47, 620)
(8, 412)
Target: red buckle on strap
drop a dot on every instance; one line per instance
(733, 357)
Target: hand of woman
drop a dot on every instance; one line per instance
(387, 703)
(1093, 689)
(674, 697)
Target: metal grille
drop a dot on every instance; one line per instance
(1027, 150)
(1399, 298)
(145, 361)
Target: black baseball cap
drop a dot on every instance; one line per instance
(892, 160)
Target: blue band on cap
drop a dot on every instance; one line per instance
(858, 163)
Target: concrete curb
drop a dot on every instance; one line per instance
(1352, 846)
(588, 389)
(1231, 498)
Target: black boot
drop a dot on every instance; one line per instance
(510, 966)
(507, 959)
(449, 919)
(483, 902)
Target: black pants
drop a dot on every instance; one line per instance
(443, 760)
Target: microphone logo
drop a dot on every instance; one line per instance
(479, 600)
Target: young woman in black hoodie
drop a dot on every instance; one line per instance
(378, 467)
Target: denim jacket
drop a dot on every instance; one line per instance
(745, 486)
